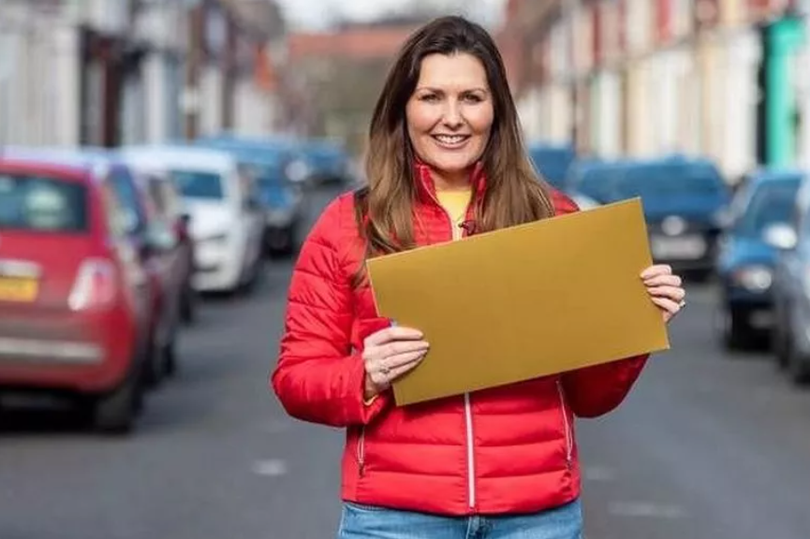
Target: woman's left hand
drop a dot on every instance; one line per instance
(665, 289)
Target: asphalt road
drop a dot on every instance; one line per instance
(708, 445)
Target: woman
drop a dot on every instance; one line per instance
(445, 160)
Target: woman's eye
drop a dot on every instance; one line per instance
(472, 98)
(430, 97)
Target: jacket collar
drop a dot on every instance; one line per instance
(426, 186)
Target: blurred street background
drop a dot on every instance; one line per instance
(162, 160)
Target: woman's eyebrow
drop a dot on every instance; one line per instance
(440, 91)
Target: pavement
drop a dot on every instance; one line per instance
(708, 445)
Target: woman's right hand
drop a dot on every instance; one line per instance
(390, 353)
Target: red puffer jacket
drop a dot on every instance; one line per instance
(503, 450)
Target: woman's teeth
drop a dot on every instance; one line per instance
(450, 139)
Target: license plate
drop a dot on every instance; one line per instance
(18, 289)
(687, 247)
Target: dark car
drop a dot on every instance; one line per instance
(75, 292)
(280, 197)
(791, 289)
(552, 162)
(748, 255)
(685, 203)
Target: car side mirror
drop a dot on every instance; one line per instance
(780, 236)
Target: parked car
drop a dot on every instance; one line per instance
(791, 288)
(591, 182)
(170, 265)
(748, 255)
(328, 162)
(281, 198)
(552, 162)
(226, 220)
(685, 206)
(168, 209)
(75, 294)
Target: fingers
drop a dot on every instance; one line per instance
(392, 362)
(663, 280)
(394, 333)
(404, 368)
(384, 371)
(676, 294)
(656, 270)
(398, 347)
(665, 289)
(667, 305)
(387, 357)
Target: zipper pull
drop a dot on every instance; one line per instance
(362, 468)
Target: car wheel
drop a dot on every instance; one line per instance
(285, 247)
(798, 366)
(170, 359)
(188, 305)
(153, 366)
(781, 339)
(247, 287)
(116, 412)
(735, 328)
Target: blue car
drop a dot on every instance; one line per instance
(748, 257)
(281, 198)
(328, 162)
(552, 162)
(593, 181)
(685, 203)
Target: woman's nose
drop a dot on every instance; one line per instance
(452, 115)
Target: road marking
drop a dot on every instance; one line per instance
(270, 467)
(639, 509)
(599, 474)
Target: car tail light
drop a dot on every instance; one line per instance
(95, 285)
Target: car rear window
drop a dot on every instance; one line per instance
(672, 180)
(771, 204)
(597, 182)
(36, 203)
(198, 184)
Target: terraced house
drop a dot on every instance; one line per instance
(110, 72)
(723, 78)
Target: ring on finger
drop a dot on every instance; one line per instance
(384, 369)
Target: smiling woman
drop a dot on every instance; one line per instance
(445, 160)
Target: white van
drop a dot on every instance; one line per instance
(226, 219)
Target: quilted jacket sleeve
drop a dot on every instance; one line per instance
(597, 390)
(318, 378)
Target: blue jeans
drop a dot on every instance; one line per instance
(364, 522)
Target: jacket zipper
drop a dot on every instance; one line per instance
(457, 234)
(569, 445)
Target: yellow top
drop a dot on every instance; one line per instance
(455, 203)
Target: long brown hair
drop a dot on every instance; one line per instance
(513, 195)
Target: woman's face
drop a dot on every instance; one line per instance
(450, 113)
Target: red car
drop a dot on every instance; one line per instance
(74, 294)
